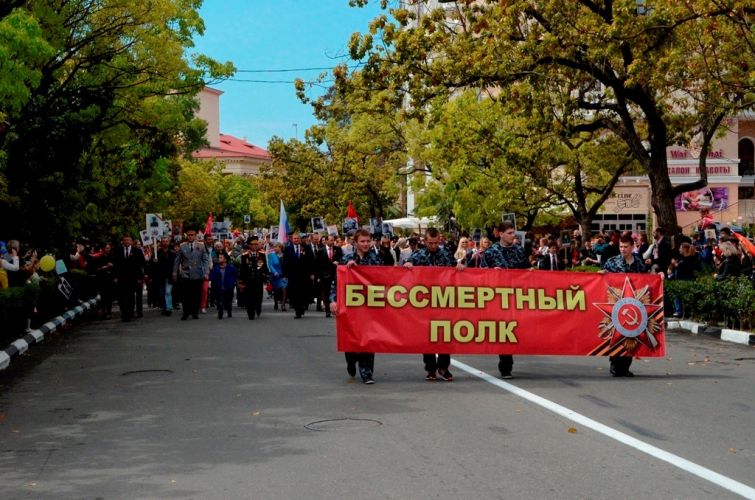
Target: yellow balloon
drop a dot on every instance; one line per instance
(47, 263)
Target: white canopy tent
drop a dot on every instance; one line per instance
(413, 222)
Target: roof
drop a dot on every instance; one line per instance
(232, 147)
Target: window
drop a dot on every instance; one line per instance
(746, 193)
(746, 153)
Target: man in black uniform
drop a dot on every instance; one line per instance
(433, 255)
(253, 274)
(362, 256)
(504, 254)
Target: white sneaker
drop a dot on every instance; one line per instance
(204, 311)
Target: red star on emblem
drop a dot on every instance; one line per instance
(629, 317)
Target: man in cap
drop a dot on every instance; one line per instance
(253, 274)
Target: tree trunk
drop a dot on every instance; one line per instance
(662, 198)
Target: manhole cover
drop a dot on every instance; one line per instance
(135, 372)
(343, 424)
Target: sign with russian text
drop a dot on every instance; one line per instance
(486, 311)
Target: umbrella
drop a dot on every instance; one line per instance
(746, 244)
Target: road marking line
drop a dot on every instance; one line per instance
(675, 460)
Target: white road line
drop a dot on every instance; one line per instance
(675, 460)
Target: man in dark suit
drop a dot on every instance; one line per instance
(551, 261)
(299, 269)
(128, 263)
(327, 259)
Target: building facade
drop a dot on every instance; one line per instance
(238, 156)
(729, 195)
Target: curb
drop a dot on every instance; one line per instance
(21, 345)
(725, 334)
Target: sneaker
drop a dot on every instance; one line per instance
(507, 376)
(351, 368)
(430, 377)
(368, 380)
(204, 311)
(445, 375)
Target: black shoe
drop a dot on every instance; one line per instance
(275, 307)
(230, 314)
(195, 316)
(431, 377)
(139, 315)
(369, 380)
(327, 314)
(351, 368)
(617, 373)
(506, 376)
(445, 375)
(184, 317)
(298, 316)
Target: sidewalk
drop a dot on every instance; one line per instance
(725, 334)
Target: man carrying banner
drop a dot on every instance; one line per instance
(433, 255)
(504, 254)
(363, 256)
(625, 262)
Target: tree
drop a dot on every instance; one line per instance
(354, 153)
(653, 74)
(108, 110)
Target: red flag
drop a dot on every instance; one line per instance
(745, 243)
(208, 225)
(352, 213)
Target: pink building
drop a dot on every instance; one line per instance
(729, 195)
(238, 156)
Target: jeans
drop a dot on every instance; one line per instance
(165, 293)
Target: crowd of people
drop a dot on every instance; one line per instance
(198, 274)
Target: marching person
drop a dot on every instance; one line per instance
(166, 259)
(625, 262)
(327, 259)
(223, 278)
(193, 264)
(254, 272)
(436, 366)
(299, 269)
(128, 266)
(363, 256)
(504, 254)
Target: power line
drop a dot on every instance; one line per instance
(291, 82)
(290, 70)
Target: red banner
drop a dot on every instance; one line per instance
(486, 311)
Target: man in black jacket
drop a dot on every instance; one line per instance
(128, 263)
(299, 269)
(326, 260)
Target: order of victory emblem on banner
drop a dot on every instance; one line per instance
(631, 318)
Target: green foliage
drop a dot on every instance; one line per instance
(357, 152)
(16, 304)
(651, 77)
(202, 188)
(102, 110)
(709, 300)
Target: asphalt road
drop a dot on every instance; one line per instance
(163, 408)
